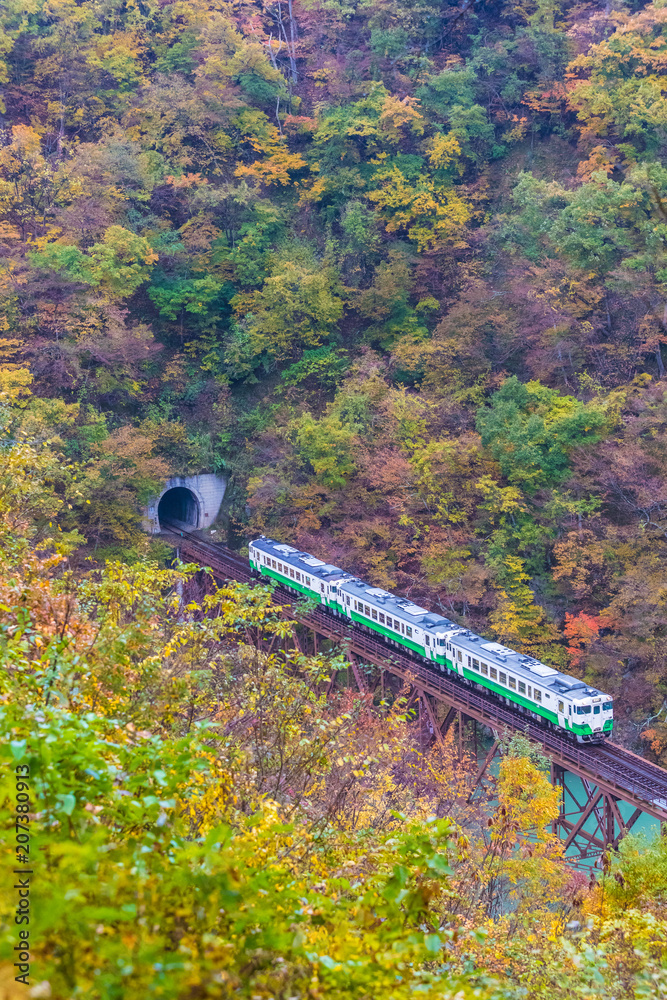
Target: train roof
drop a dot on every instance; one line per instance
(522, 665)
(399, 607)
(303, 561)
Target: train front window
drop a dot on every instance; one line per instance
(583, 709)
(596, 710)
(607, 707)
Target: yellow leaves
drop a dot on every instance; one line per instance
(500, 499)
(442, 150)
(425, 209)
(397, 116)
(275, 169)
(265, 138)
(528, 796)
(120, 55)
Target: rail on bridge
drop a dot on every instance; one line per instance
(606, 791)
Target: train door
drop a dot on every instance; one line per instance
(561, 715)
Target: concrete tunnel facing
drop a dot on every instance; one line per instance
(193, 500)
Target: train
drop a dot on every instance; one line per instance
(543, 693)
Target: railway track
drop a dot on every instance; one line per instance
(617, 771)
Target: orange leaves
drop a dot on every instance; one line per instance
(580, 561)
(581, 630)
(549, 99)
(275, 169)
(264, 138)
(600, 159)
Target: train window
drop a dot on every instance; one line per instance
(298, 576)
(408, 630)
(493, 672)
(427, 640)
(381, 618)
(460, 655)
(596, 710)
(291, 573)
(397, 625)
(522, 687)
(475, 664)
(583, 710)
(503, 678)
(441, 642)
(348, 602)
(607, 707)
(561, 707)
(374, 614)
(367, 610)
(530, 692)
(280, 567)
(512, 681)
(485, 670)
(273, 562)
(537, 695)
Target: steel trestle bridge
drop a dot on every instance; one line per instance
(593, 818)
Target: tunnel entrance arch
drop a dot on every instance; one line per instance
(192, 500)
(179, 504)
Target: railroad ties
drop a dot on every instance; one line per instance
(605, 790)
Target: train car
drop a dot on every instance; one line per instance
(537, 690)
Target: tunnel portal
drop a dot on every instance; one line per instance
(179, 504)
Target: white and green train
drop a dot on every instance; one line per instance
(542, 692)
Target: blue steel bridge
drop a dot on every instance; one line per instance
(606, 791)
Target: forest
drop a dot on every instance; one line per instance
(398, 270)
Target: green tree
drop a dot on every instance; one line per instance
(328, 444)
(531, 431)
(297, 306)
